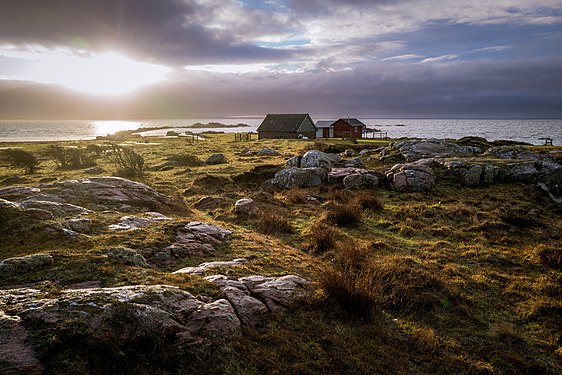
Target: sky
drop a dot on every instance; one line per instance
(106, 59)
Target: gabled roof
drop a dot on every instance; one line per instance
(352, 121)
(324, 124)
(285, 123)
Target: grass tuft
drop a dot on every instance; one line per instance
(343, 215)
(271, 223)
(321, 237)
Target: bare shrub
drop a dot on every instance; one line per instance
(70, 158)
(271, 223)
(127, 161)
(321, 238)
(16, 158)
(343, 215)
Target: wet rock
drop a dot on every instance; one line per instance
(216, 159)
(266, 151)
(24, 264)
(318, 159)
(127, 257)
(299, 177)
(414, 150)
(246, 207)
(204, 267)
(411, 177)
(136, 222)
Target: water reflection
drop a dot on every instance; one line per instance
(109, 127)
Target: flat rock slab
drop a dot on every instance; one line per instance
(204, 267)
(136, 222)
(24, 264)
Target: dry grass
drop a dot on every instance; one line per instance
(343, 215)
(321, 237)
(272, 223)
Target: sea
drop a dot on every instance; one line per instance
(521, 130)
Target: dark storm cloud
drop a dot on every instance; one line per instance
(168, 31)
(529, 88)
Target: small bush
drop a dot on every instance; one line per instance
(368, 202)
(16, 158)
(270, 223)
(128, 162)
(321, 238)
(70, 158)
(343, 215)
(186, 160)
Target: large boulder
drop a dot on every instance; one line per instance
(216, 159)
(318, 159)
(411, 177)
(101, 193)
(299, 177)
(414, 150)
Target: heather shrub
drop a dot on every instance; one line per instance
(16, 158)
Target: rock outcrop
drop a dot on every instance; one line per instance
(318, 159)
(131, 313)
(414, 150)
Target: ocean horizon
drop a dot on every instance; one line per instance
(521, 130)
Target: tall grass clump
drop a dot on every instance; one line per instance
(272, 223)
(16, 158)
(343, 215)
(127, 161)
(321, 237)
(368, 202)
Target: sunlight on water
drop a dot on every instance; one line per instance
(110, 127)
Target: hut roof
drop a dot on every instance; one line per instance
(286, 123)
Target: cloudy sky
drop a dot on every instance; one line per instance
(361, 58)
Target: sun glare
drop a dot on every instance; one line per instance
(109, 127)
(101, 74)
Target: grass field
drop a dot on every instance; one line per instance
(456, 280)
